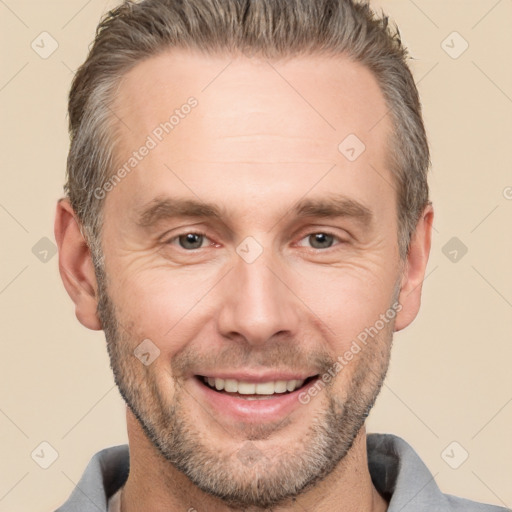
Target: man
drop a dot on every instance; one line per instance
(282, 140)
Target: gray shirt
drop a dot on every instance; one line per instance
(396, 470)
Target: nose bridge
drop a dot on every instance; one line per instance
(258, 304)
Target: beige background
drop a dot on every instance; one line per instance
(450, 377)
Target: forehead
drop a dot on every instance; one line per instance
(255, 122)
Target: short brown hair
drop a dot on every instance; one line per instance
(272, 29)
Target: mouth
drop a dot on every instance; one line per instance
(255, 390)
(251, 398)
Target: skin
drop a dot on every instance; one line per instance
(263, 136)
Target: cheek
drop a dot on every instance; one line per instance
(162, 305)
(345, 302)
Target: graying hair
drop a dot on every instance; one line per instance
(272, 29)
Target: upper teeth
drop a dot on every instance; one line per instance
(248, 388)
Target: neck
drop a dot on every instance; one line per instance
(155, 484)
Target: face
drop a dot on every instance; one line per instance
(248, 246)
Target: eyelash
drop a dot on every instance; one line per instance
(200, 233)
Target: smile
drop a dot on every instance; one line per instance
(251, 388)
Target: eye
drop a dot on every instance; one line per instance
(189, 241)
(321, 240)
(194, 240)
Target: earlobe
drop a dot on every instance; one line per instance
(75, 265)
(414, 269)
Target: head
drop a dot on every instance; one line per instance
(278, 212)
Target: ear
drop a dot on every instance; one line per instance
(414, 269)
(75, 265)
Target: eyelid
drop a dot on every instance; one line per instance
(170, 234)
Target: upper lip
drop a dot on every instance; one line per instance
(256, 377)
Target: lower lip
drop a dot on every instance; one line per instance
(274, 408)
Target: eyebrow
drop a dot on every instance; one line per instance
(332, 206)
(167, 208)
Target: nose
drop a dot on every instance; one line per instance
(258, 303)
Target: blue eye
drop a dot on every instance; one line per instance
(189, 241)
(320, 240)
(194, 240)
